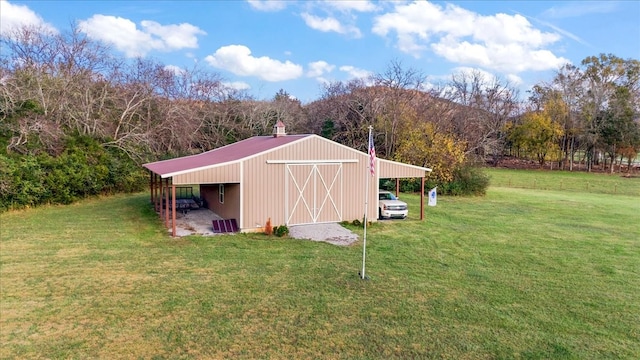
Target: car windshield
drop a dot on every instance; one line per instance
(387, 196)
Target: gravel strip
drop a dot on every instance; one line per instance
(333, 233)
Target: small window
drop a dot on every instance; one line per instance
(221, 193)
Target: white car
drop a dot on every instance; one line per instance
(390, 207)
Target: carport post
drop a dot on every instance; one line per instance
(166, 205)
(397, 187)
(156, 192)
(160, 197)
(422, 199)
(151, 178)
(173, 210)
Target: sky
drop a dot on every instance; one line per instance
(263, 46)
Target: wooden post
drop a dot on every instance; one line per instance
(160, 199)
(166, 206)
(422, 199)
(397, 186)
(156, 194)
(173, 210)
(151, 178)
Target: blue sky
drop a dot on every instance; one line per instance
(264, 46)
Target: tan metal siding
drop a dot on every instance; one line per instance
(263, 191)
(229, 173)
(391, 169)
(230, 209)
(264, 184)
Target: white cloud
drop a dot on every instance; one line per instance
(329, 24)
(13, 17)
(580, 8)
(125, 36)
(319, 68)
(507, 43)
(322, 80)
(352, 5)
(174, 37)
(237, 85)
(175, 69)
(487, 77)
(562, 31)
(238, 60)
(514, 80)
(356, 73)
(267, 5)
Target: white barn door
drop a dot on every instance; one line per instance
(313, 193)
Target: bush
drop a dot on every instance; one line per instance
(84, 168)
(281, 231)
(468, 180)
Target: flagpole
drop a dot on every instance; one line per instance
(366, 204)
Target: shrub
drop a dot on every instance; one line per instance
(281, 231)
(468, 180)
(84, 168)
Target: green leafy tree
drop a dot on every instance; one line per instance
(616, 125)
(537, 135)
(422, 145)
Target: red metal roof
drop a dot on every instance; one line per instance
(229, 153)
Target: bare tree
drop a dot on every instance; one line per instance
(485, 107)
(344, 112)
(400, 87)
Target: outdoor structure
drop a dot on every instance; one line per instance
(290, 179)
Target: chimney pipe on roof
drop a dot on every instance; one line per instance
(278, 129)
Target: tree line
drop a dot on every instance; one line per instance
(76, 120)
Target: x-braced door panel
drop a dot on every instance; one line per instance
(313, 193)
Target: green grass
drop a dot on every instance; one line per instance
(577, 181)
(520, 273)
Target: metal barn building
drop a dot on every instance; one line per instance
(291, 179)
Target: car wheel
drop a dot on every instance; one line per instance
(379, 214)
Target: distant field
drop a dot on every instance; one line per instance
(577, 181)
(521, 273)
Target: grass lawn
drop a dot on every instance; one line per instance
(520, 273)
(577, 181)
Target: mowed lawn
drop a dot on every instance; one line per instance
(519, 273)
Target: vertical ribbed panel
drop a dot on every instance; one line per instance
(269, 188)
(229, 173)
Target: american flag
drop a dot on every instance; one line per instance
(372, 155)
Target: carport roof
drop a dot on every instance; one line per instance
(229, 153)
